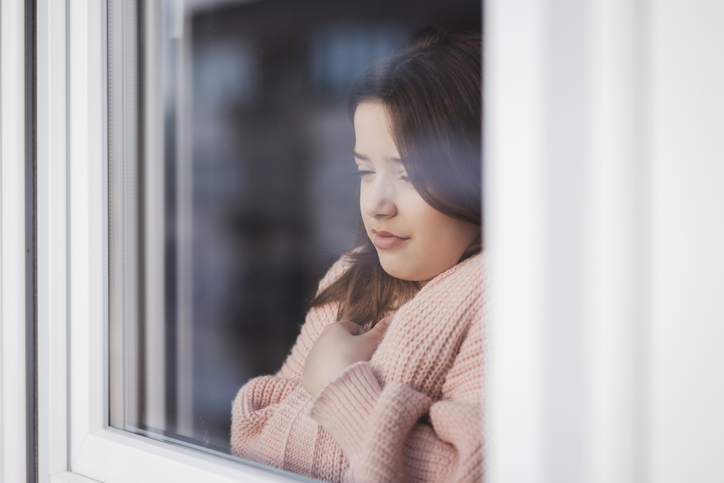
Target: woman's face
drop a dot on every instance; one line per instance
(414, 241)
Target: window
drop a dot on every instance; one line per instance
(231, 190)
(645, 321)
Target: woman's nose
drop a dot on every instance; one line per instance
(378, 199)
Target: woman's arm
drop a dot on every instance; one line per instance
(260, 408)
(396, 433)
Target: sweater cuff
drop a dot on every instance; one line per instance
(344, 404)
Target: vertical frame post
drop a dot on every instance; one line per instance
(13, 240)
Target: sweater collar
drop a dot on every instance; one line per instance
(476, 259)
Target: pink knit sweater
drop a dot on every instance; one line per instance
(411, 413)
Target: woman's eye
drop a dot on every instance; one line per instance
(364, 174)
(405, 177)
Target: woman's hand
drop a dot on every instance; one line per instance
(339, 345)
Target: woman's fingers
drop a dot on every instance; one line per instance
(354, 328)
(377, 332)
(348, 326)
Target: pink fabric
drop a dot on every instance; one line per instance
(411, 413)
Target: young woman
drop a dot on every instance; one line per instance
(384, 382)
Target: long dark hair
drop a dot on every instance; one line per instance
(431, 89)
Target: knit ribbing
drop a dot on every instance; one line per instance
(411, 413)
(345, 403)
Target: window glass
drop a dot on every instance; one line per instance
(232, 188)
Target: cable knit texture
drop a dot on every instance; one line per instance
(411, 413)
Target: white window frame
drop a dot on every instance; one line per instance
(12, 245)
(77, 445)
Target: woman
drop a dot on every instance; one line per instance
(384, 382)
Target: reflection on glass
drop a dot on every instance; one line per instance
(245, 191)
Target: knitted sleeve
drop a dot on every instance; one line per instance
(395, 433)
(258, 421)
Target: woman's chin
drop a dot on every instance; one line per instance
(412, 269)
(399, 268)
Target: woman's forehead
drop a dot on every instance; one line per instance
(373, 136)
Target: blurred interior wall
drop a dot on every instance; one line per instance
(604, 201)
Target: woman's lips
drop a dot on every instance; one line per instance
(386, 240)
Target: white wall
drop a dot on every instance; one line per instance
(605, 209)
(686, 433)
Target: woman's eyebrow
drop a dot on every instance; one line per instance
(365, 158)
